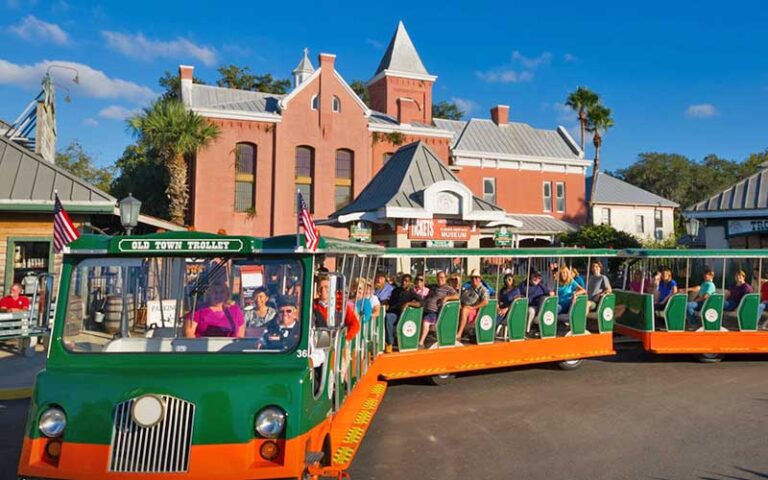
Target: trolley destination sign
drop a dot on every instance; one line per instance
(179, 245)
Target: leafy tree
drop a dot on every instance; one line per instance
(143, 176)
(172, 133)
(581, 101)
(362, 91)
(447, 110)
(599, 236)
(80, 164)
(171, 84)
(232, 76)
(599, 120)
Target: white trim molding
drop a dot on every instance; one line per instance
(409, 129)
(398, 74)
(358, 100)
(284, 101)
(238, 115)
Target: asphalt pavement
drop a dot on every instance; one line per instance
(634, 416)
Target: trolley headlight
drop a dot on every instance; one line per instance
(270, 422)
(52, 422)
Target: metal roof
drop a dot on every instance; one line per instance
(28, 181)
(401, 55)
(482, 135)
(540, 224)
(305, 65)
(748, 194)
(455, 126)
(402, 181)
(231, 99)
(613, 191)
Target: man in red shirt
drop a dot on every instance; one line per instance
(15, 302)
(320, 309)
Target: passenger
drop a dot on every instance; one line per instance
(320, 309)
(737, 291)
(368, 304)
(420, 288)
(262, 313)
(664, 289)
(15, 302)
(508, 294)
(536, 291)
(598, 285)
(284, 331)
(491, 291)
(567, 290)
(454, 280)
(402, 296)
(637, 284)
(703, 292)
(473, 299)
(219, 318)
(438, 295)
(383, 289)
(578, 278)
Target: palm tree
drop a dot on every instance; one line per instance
(581, 101)
(598, 122)
(173, 132)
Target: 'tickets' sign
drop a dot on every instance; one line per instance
(437, 229)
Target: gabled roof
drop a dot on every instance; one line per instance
(401, 183)
(540, 224)
(28, 181)
(401, 56)
(514, 139)
(611, 190)
(740, 199)
(209, 97)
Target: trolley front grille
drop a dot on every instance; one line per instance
(162, 448)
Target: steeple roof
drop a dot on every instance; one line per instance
(401, 55)
(305, 65)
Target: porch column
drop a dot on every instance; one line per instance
(473, 262)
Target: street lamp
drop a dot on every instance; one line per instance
(76, 78)
(692, 227)
(129, 213)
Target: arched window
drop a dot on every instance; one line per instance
(336, 104)
(305, 173)
(245, 177)
(315, 102)
(344, 169)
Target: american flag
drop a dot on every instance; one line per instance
(64, 231)
(311, 235)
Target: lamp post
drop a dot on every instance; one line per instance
(692, 228)
(129, 213)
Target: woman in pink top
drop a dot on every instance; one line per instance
(217, 319)
(420, 289)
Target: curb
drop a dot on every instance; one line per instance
(15, 393)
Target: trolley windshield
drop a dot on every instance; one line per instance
(179, 305)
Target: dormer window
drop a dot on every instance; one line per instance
(336, 104)
(315, 102)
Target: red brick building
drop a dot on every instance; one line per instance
(323, 140)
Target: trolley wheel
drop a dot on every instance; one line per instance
(570, 364)
(443, 379)
(710, 357)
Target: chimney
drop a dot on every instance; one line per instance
(185, 74)
(326, 61)
(500, 114)
(408, 110)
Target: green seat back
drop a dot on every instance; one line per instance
(517, 318)
(712, 312)
(577, 316)
(485, 323)
(409, 329)
(605, 313)
(548, 317)
(634, 310)
(748, 311)
(380, 335)
(448, 324)
(674, 312)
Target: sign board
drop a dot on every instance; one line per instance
(233, 245)
(439, 244)
(360, 232)
(503, 237)
(747, 226)
(161, 317)
(438, 229)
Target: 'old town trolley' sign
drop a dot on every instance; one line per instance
(232, 245)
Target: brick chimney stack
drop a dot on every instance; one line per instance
(326, 61)
(185, 74)
(500, 114)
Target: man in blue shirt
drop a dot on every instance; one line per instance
(383, 289)
(535, 290)
(703, 292)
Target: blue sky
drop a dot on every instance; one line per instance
(680, 77)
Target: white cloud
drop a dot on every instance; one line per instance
(505, 76)
(93, 83)
(532, 63)
(570, 58)
(32, 28)
(90, 122)
(465, 105)
(116, 112)
(375, 43)
(701, 110)
(139, 46)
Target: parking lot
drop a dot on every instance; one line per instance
(626, 417)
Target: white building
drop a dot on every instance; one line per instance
(631, 209)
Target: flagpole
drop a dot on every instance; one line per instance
(298, 220)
